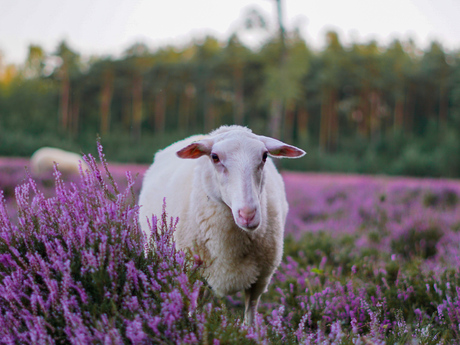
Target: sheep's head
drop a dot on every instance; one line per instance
(238, 159)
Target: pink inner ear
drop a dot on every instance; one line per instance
(193, 151)
(277, 148)
(287, 151)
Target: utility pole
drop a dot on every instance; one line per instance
(282, 32)
(277, 105)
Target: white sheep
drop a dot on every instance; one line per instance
(231, 204)
(42, 161)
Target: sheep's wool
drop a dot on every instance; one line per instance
(235, 259)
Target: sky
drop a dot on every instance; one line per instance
(109, 27)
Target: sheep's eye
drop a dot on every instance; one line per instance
(264, 157)
(215, 158)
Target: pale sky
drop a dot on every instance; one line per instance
(108, 27)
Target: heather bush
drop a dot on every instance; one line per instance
(420, 240)
(76, 268)
(442, 198)
(381, 298)
(365, 262)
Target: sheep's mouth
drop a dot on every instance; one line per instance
(248, 227)
(251, 227)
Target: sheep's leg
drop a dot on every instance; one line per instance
(206, 294)
(252, 296)
(251, 302)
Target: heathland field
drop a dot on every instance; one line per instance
(368, 260)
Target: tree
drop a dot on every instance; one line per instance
(435, 73)
(35, 62)
(207, 59)
(139, 61)
(396, 69)
(105, 70)
(333, 60)
(69, 68)
(235, 56)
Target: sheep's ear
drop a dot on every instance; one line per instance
(196, 149)
(279, 149)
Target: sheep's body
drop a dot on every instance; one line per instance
(238, 258)
(235, 259)
(42, 161)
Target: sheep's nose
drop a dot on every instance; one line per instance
(247, 214)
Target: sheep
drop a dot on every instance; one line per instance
(42, 161)
(231, 204)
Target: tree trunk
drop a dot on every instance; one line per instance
(65, 99)
(238, 102)
(289, 122)
(75, 115)
(324, 120)
(398, 122)
(210, 112)
(160, 111)
(137, 107)
(183, 111)
(302, 124)
(375, 105)
(364, 125)
(185, 108)
(329, 124)
(410, 106)
(276, 115)
(333, 136)
(106, 100)
(127, 108)
(443, 105)
(191, 91)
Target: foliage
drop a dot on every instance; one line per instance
(362, 107)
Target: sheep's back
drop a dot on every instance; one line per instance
(169, 178)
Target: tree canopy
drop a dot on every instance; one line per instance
(328, 99)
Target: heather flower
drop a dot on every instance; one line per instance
(75, 267)
(368, 260)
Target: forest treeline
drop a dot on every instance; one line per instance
(356, 108)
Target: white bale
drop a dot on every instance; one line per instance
(43, 160)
